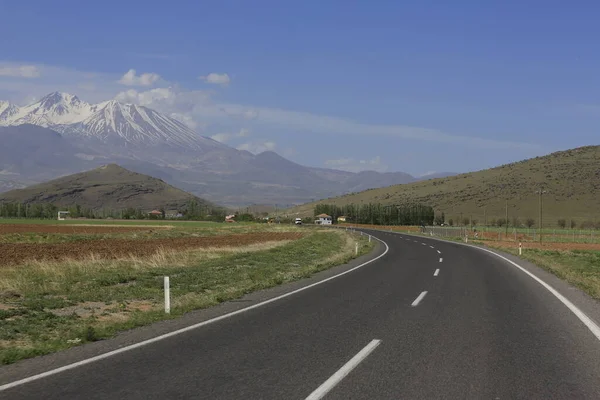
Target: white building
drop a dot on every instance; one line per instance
(323, 219)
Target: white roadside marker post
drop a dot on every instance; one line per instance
(520, 248)
(369, 238)
(356, 248)
(167, 296)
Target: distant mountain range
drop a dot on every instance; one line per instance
(61, 135)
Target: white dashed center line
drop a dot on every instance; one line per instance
(336, 378)
(441, 259)
(418, 299)
(436, 273)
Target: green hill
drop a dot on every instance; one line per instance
(108, 187)
(570, 178)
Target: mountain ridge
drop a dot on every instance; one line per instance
(152, 143)
(570, 179)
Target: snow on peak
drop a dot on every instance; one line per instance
(7, 111)
(53, 109)
(107, 121)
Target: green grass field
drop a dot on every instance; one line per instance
(49, 306)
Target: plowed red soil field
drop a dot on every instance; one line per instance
(545, 246)
(71, 229)
(16, 253)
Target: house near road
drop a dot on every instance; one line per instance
(323, 219)
(341, 219)
(155, 213)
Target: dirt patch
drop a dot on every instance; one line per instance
(74, 229)
(103, 311)
(83, 310)
(16, 253)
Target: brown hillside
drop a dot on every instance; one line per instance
(108, 187)
(571, 179)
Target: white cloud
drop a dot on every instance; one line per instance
(20, 71)
(426, 173)
(216, 79)
(226, 137)
(197, 108)
(131, 79)
(353, 165)
(258, 147)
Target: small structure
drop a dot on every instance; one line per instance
(323, 219)
(155, 213)
(61, 215)
(230, 218)
(342, 219)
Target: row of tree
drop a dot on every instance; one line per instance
(192, 211)
(516, 222)
(380, 214)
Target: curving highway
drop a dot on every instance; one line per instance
(426, 320)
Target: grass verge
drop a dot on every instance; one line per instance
(46, 307)
(580, 268)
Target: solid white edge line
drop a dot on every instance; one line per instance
(418, 299)
(183, 330)
(341, 373)
(436, 273)
(587, 321)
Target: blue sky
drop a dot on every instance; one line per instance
(414, 87)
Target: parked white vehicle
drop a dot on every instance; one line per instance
(298, 221)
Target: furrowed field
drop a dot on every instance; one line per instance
(70, 282)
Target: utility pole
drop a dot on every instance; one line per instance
(541, 192)
(485, 215)
(506, 221)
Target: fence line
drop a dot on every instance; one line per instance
(516, 234)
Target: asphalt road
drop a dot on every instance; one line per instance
(483, 330)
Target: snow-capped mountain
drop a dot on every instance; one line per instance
(109, 121)
(61, 134)
(7, 111)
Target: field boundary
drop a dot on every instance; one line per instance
(29, 370)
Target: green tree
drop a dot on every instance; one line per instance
(529, 222)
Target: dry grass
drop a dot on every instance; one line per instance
(48, 273)
(48, 306)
